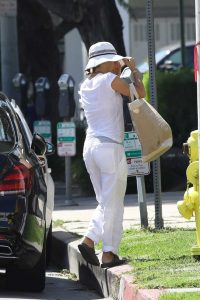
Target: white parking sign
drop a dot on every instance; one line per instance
(133, 151)
(66, 139)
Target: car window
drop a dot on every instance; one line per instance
(24, 127)
(164, 59)
(7, 140)
(159, 55)
(175, 57)
(190, 56)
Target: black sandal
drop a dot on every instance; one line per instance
(88, 254)
(116, 261)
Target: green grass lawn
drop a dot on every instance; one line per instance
(162, 259)
(181, 296)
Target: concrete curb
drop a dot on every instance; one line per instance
(114, 282)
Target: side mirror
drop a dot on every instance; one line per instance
(50, 149)
(38, 144)
(168, 65)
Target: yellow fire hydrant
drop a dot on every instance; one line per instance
(190, 205)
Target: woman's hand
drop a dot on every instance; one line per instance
(120, 86)
(129, 62)
(137, 76)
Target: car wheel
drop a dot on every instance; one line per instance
(29, 280)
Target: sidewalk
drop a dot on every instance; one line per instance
(73, 220)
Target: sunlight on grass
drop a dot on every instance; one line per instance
(60, 223)
(162, 258)
(181, 296)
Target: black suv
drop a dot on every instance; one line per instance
(26, 200)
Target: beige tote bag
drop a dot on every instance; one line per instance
(153, 131)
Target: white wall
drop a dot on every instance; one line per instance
(167, 32)
(75, 54)
(73, 59)
(125, 19)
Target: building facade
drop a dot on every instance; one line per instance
(166, 24)
(166, 28)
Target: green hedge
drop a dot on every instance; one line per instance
(177, 101)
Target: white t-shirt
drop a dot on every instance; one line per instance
(103, 107)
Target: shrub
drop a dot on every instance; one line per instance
(177, 101)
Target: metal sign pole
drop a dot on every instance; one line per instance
(68, 182)
(142, 201)
(66, 133)
(66, 147)
(182, 31)
(136, 167)
(153, 97)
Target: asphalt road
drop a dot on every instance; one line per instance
(59, 286)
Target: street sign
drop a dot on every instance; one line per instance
(66, 139)
(8, 8)
(44, 129)
(133, 151)
(132, 144)
(136, 167)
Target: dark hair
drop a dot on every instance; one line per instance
(90, 71)
(3, 96)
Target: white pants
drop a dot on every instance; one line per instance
(107, 167)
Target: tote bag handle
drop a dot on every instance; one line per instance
(133, 92)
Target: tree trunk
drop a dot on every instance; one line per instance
(38, 51)
(103, 24)
(97, 20)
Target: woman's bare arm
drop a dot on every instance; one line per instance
(120, 86)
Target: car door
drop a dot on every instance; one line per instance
(44, 164)
(173, 60)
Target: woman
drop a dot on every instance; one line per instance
(103, 151)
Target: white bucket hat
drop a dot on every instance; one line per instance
(102, 52)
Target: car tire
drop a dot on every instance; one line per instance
(29, 280)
